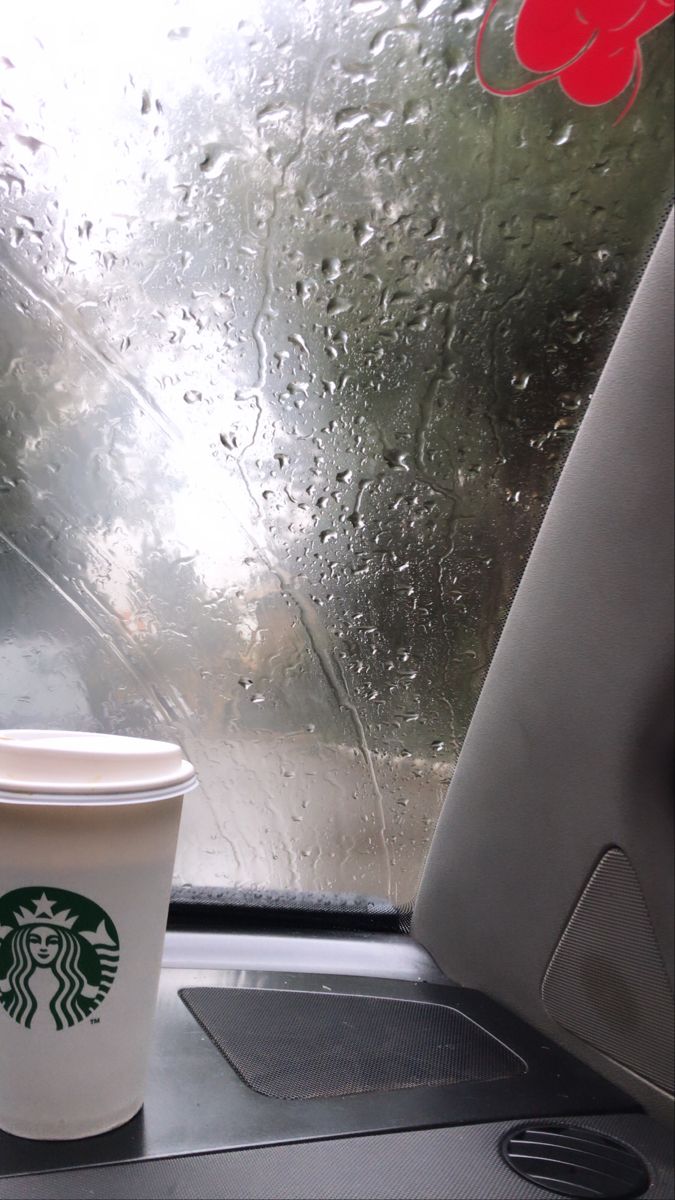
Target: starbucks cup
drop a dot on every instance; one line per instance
(88, 829)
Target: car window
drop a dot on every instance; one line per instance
(297, 322)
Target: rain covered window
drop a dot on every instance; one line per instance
(296, 325)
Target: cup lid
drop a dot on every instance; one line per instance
(59, 762)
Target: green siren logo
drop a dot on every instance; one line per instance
(58, 956)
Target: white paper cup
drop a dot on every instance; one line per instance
(88, 830)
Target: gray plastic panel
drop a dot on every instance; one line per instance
(570, 748)
(429, 1164)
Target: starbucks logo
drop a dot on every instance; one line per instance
(58, 956)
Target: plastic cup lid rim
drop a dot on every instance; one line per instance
(67, 762)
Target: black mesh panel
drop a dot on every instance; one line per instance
(299, 1045)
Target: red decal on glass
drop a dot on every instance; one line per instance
(592, 47)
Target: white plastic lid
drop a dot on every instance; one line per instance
(55, 763)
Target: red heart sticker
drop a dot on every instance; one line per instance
(592, 47)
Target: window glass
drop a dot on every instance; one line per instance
(296, 324)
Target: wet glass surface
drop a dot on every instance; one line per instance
(296, 325)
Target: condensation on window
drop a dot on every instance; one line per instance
(296, 325)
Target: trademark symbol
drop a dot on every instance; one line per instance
(94, 1020)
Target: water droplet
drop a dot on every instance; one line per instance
(426, 7)
(560, 135)
(331, 268)
(367, 6)
(396, 459)
(468, 10)
(363, 232)
(31, 143)
(298, 340)
(272, 114)
(193, 397)
(337, 306)
(415, 112)
(349, 118)
(215, 157)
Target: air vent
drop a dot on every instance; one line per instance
(572, 1161)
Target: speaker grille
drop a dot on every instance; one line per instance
(301, 1045)
(606, 982)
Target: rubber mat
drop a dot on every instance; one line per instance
(297, 1045)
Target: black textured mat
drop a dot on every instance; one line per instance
(302, 1045)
